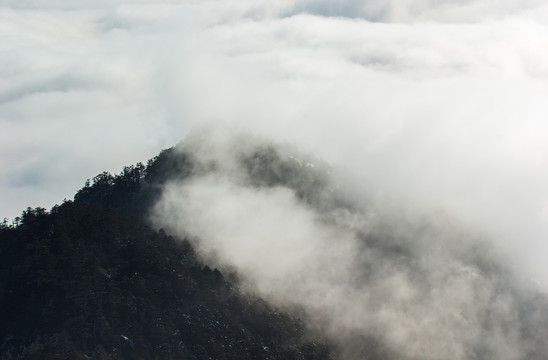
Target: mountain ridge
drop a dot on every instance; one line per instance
(92, 279)
(238, 248)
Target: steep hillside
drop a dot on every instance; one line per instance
(92, 280)
(151, 264)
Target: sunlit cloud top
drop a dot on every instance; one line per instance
(430, 104)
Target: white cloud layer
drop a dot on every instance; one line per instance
(379, 285)
(437, 105)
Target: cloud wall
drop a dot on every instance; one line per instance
(430, 105)
(380, 285)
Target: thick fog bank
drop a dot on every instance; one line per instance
(437, 104)
(380, 284)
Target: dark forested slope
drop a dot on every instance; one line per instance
(92, 280)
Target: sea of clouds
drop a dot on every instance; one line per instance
(433, 106)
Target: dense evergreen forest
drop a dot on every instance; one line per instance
(91, 279)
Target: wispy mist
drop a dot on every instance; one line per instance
(379, 284)
(436, 105)
(430, 107)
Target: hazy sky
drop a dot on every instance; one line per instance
(439, 105)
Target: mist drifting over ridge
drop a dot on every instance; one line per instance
(432, 106)
(437, 104)
(380, 285)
